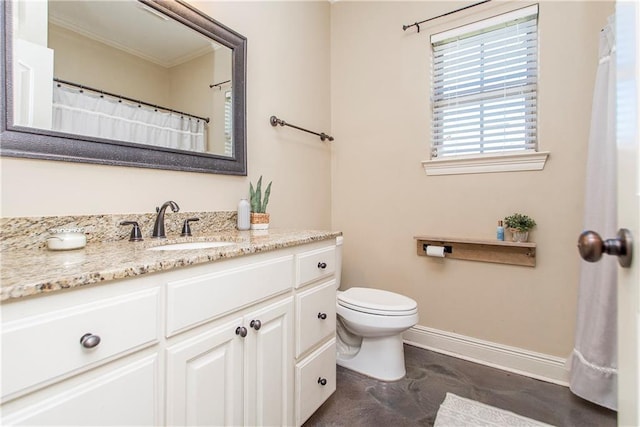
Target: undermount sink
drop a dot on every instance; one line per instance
(190, 245)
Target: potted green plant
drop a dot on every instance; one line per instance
(259, 216)
(519, 226)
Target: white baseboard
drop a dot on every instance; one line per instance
(512, 359)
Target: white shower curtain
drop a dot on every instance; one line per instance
(88, 113)
(593, 361)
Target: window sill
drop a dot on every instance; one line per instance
(529, 161)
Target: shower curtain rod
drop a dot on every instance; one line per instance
(137, 101)
(417, 24)
(276, 121)
(218, 85)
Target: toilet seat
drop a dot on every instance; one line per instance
(377, 301)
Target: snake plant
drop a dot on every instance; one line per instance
(258, 203)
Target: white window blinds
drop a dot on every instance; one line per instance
(484, 89)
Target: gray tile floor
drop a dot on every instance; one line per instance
(414, 400)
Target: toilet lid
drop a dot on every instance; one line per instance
(377, 301)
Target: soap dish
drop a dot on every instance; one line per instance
(63, 239)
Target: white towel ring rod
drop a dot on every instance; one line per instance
(276, 121)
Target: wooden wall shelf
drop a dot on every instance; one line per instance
(497, 251)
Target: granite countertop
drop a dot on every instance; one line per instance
(26, 272)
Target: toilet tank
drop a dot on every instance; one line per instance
(338, 272)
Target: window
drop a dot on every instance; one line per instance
(484, 88)
(228, 125)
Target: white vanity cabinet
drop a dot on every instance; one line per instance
(244, 341)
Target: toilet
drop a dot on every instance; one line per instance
(370, 323)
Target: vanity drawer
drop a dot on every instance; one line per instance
(42, 348)
(316, 264)
(193, 301)
(315, 380)
(100, 397)
(316, 315)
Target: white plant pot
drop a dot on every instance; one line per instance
(519, 236)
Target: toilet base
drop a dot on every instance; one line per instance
(379, 357)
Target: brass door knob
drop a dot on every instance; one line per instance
(591, 246)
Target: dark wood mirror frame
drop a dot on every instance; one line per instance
(25, 142)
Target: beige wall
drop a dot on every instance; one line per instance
(190, 91)
(382, 197)
(288, 75)
(82, 60)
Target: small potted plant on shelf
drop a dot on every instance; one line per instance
(519, 226)
(259, 217)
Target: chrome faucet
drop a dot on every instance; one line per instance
(158, 228)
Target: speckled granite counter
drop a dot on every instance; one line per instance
(33, 271)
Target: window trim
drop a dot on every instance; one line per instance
(487, 163)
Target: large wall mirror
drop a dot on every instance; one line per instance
(144, 83)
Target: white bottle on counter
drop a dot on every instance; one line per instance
(244, 211)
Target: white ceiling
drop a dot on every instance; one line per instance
(133, 27)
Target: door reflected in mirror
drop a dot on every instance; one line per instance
(123, 71)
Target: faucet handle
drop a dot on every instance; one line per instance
(136, 234)
(186, 229)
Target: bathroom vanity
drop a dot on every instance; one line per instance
(242, 334)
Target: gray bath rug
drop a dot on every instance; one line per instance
(457, 411)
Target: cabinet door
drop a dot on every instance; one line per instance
(269, 365)
(204, 378)
(117, 394)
